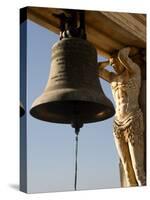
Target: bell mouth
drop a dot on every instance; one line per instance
(66, 111)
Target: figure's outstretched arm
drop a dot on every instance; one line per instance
(126, 61)
(104, 73)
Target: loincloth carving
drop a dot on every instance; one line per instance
(131, 129)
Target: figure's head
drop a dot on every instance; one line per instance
(115, 63)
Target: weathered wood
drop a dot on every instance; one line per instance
(43, 17)
(108, 31)
(128, 23)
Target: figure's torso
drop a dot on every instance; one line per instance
(125, 89)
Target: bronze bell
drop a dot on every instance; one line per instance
(73, 92)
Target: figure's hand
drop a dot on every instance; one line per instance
(111, 61)
(102, 65)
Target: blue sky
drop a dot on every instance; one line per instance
(50, 146)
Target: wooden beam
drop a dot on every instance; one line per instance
(108, 31)
(129, 23)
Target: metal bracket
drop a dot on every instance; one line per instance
(69, 20)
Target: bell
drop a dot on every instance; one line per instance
(22, 111)
(73, 93)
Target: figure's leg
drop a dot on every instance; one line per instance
(124, 154)
(137, 157)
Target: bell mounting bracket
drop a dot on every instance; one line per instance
(71, 23)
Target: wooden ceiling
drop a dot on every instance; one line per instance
(108, 31)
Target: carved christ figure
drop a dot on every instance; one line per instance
(128, 126)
